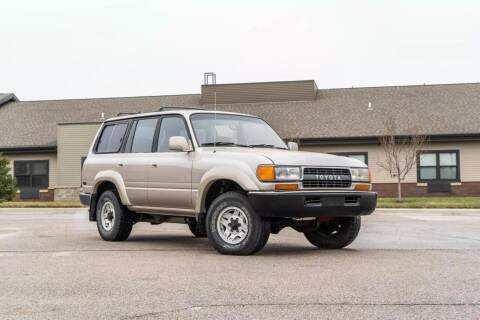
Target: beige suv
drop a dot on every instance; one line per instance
(228, 176)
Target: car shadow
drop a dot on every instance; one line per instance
(188, 242)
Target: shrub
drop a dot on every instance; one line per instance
(8, 185)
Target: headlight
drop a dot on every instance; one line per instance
(272, 173)
(360, 174)
(287, 173)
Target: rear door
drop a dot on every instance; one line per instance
(170, 172)
(135, 162)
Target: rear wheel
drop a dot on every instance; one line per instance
(336, 233)
(114, 221)
(233, 227)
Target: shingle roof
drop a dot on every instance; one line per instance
(34, 123)
(425, 109)
(432, 109)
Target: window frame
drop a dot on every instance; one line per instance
(356, 153)
(438, 166)
(133, 127)
(113, 123)
(31, 174)
(131, 134)
(157, 132)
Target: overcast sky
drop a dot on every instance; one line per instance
(54, 49)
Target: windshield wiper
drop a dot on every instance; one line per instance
(263, 145)
(222, 143)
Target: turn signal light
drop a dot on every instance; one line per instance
(286, 186)
(266, 173)
(362, 187)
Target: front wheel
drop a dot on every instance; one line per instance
(335, 234)
(233, 227)
(196, 228)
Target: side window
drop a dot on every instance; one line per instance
(143, 136)
(170, 126)
(111, 138)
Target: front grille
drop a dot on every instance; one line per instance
(326, 178)
(337, 171)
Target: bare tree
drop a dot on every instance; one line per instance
(400, 152)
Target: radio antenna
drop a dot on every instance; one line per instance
(215, 121)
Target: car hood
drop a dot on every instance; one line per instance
(298, 158)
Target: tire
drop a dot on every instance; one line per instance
(195, 228)
(335, 234)
(248, 231)
(121, 220)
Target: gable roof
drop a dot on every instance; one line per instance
(7, 97)
(450, 109)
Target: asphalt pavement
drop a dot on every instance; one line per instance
(405, 264)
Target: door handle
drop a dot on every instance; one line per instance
(120, 164)
(154, 165)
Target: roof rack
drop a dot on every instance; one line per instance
(126, 113)
(180, 108)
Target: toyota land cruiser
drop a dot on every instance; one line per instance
(229, 176)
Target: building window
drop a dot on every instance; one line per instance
(31, 174)
(362, 156)
(438, 166)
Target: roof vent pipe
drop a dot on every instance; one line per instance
(209, 75)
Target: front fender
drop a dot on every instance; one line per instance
(244, 180)
(116, 179)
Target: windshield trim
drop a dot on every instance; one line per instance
(233, 115)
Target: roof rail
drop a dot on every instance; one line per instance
(126, 113)
(180, 108)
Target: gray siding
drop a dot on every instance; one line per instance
(74, 141)
(259, 92)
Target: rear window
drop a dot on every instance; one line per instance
(111, 139)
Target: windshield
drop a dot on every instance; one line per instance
(234, 130)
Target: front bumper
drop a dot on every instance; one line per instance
(301, 204)
(85, 198)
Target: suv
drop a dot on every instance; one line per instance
(229, 176)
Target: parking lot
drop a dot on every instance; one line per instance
(404, 264)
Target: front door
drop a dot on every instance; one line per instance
(169, 177)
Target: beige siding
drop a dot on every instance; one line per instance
(74, 141)
(469, 153)
(259, 92)
(52, 163)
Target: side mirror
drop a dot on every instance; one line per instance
(293, 146)
(179, 143)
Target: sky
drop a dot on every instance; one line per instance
(57, 49)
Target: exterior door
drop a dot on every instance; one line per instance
(169, 177)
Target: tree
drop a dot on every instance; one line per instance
(8, 185)
(400, 152)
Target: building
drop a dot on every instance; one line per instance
(46, 141)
